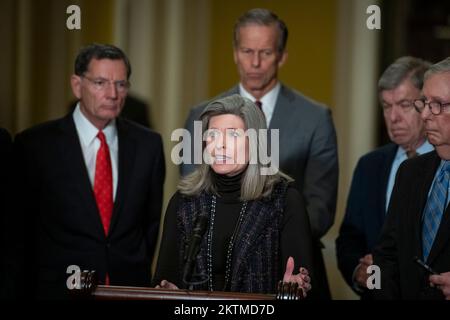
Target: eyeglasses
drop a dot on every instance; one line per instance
(434, 106)
(101, 84)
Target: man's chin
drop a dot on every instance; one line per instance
(109, 114)
(400, 142)
(254, 85)
(399, 139)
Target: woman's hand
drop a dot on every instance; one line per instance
(302, 278)
(166, 285)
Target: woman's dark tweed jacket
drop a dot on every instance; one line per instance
(255, 264)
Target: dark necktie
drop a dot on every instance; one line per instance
(411, 154)
(259, 105)
(434, 209)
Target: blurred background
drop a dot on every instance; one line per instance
(181, 54)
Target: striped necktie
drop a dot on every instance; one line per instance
(434, 209)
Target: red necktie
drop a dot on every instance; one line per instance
(103, 186)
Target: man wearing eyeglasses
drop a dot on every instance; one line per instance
(89, 185)
(418, 222)
(374, 176)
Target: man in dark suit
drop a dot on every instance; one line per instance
(418, 219)
(90, 184)
(307, 138)
(374, 176)
(5, 197)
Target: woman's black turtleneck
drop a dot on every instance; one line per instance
(229, 188)
(228, 208)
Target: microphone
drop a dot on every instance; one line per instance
(193, 248)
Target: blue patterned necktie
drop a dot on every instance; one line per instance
(434, 209)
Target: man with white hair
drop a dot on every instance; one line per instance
(373, 179)
(417, 226)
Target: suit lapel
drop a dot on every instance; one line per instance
(388, 159)
(127, 154)
(74, 160)
(282, 109)
(442, 236)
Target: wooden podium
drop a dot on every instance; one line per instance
(90, 289)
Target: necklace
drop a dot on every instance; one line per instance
(230, 244)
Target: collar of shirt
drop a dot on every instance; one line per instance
(401, 156)
(268, 100)
(88, 132)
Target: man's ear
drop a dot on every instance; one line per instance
(235, 57)
(283, 59)
(75, 83)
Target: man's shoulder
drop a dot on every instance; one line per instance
(43, 131)
(300, 101)
(297, 102)
(418, 169)
(414, 172)
(380, 153)
(4, 136)
(196, 111)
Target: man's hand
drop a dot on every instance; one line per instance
(442, 282)
(166, 285)
(361, 270)
(302, 278)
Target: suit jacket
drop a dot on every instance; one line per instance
(401, 237)
(366, 209)
(5, 197)
(60, 211)
(308, 152)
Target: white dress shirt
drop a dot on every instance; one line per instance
(87, 133)
(268, 100)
